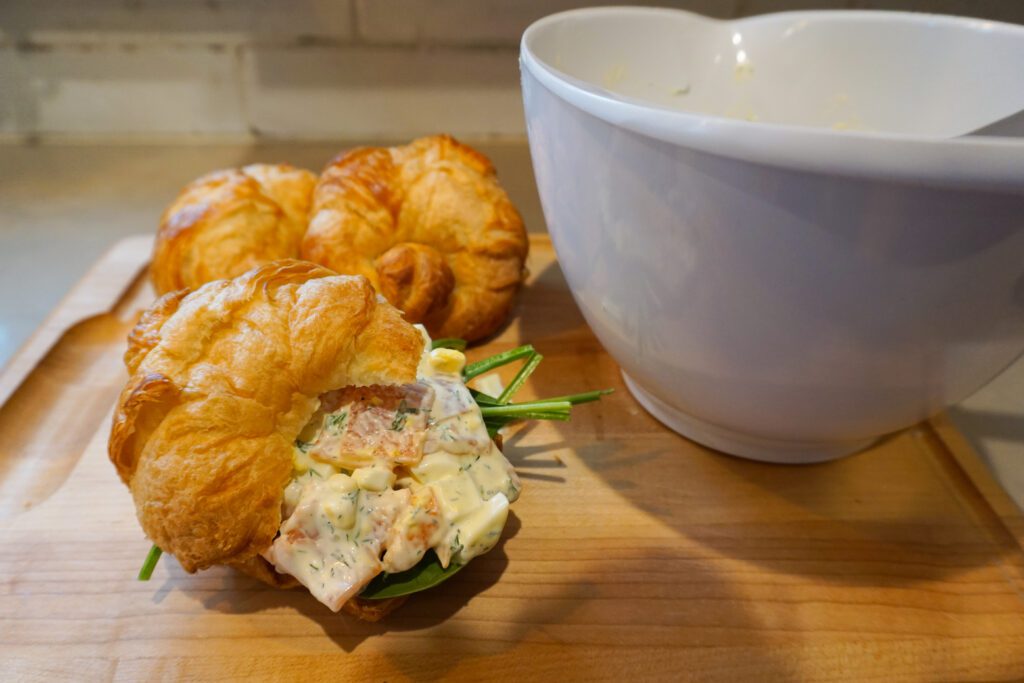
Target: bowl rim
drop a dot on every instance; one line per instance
(995, 163)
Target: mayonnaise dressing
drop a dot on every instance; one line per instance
(341, 527)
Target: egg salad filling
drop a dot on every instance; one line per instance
(384, 474)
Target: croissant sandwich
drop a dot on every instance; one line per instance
(291, 424)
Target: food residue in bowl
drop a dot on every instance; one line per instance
(614, 75)
(743, 71)
(839, 109)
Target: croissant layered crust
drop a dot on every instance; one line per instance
(223, 379)
(429, 224)
(230, 221)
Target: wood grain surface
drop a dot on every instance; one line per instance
(632, 553)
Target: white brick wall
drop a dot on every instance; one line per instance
(127, 90)
(362, 92)
(99, 22)
(297, 68)
(998, 10)
(472, 23)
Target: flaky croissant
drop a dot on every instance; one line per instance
(229, 221)
(430, 226)
(222, 381)
(427, 223)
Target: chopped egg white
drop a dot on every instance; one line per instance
(489, 384)
(377, 477)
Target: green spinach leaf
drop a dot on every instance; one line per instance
(426, 574)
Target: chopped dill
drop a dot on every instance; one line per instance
(337, 421)
(404, 410)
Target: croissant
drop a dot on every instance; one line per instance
(290, 423)
(229, 221)
(223, 379)
(430, 226)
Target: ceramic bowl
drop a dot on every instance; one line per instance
(772, 224)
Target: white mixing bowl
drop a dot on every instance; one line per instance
(768, 223)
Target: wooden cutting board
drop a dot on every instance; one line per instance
(633, 553)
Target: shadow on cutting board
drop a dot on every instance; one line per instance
(885, 517)
(784, 563)
(856, 522)
(239, 594)
(570, 620)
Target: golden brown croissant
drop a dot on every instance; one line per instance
(428, 224)
(227, 222)
(223, 380)
(290, 423)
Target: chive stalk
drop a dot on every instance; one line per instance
(515, 409)
(517, 382)
(152, 557)
(559, 416)
(498, 412)
(483, 399)
(576, 399)
(486, 365)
